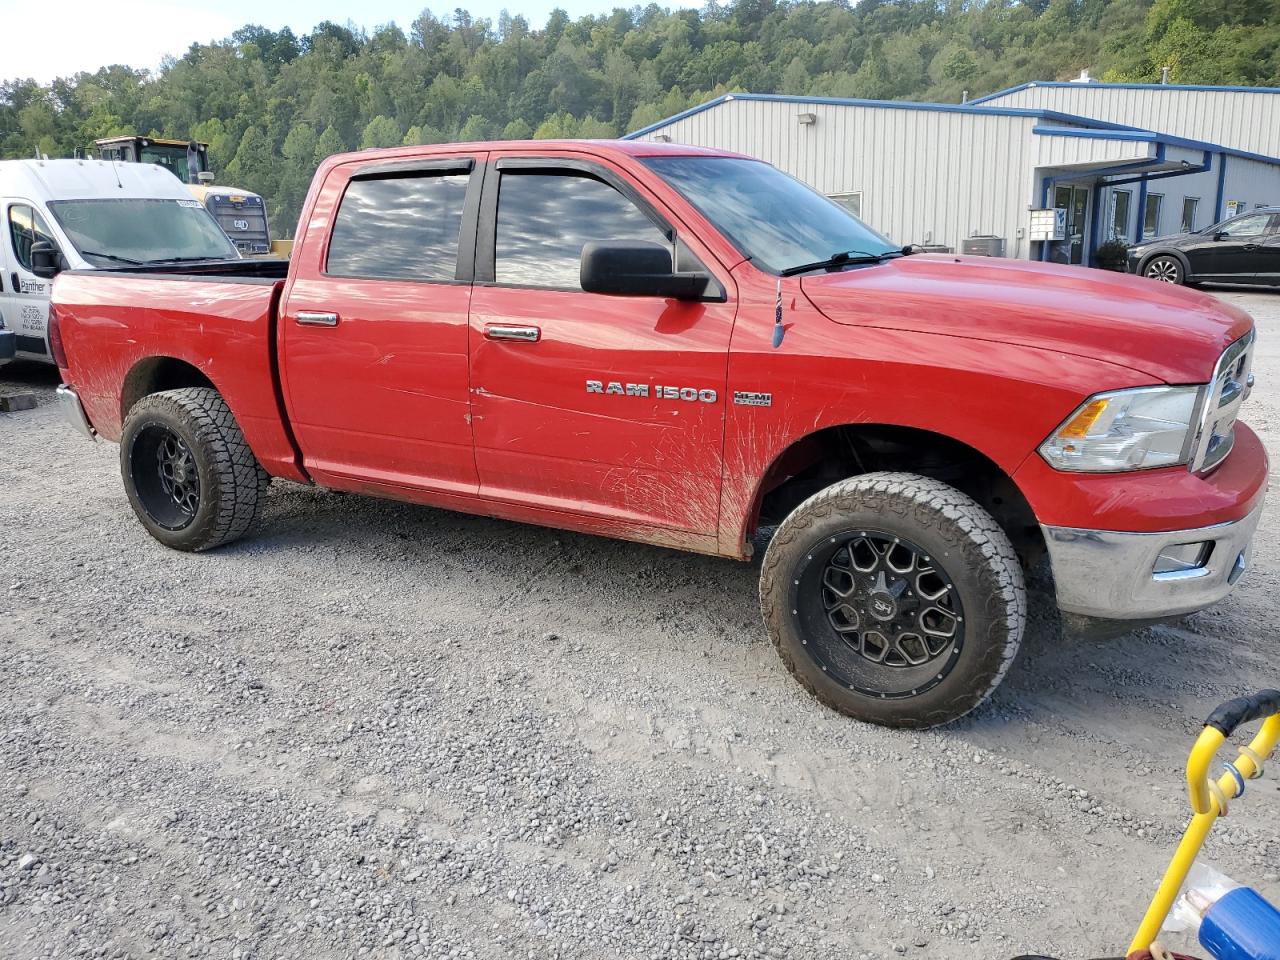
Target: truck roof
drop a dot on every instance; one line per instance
(42, 180)
(604, 148)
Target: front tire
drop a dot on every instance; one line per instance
(895, 599)
(188, 471)
(1164, 268)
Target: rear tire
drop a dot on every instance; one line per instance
(895, 599)
(188, 471)
(1164, 268)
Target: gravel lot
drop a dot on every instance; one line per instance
(384, 731)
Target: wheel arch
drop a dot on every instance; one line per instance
(825, 456)
(1167, 252)
(157, 374)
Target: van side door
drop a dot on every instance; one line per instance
(25, 301)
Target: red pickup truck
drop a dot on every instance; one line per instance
(689, 348)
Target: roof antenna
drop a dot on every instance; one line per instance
(116, 171)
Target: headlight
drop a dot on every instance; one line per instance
(1126, 430)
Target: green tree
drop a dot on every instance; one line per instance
(329, 143)
(381, 132)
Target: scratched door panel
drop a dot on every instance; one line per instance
(617, 410)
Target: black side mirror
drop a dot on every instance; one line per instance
(46, 261)
(638, 268)
(1221, 235)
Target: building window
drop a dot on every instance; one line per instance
(1151, 216)
(1189, 205)
(850, 201)
(1120, 201)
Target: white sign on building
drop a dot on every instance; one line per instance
(1048, 224)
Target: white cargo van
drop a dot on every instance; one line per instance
(94, 214)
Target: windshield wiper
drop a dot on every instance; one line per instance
(841, 259)
(186, 259)
(110, 256)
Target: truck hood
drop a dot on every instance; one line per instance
(1167, 332)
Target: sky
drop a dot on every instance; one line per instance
(93, 33)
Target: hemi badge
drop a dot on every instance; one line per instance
(745, 398)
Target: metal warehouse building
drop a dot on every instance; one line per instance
(943, 174)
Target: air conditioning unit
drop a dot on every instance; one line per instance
(983, 246)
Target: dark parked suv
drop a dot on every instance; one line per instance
(1244, 249)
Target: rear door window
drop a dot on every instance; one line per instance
(399, 228)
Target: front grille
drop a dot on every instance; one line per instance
(1226, 392)
(244, 220)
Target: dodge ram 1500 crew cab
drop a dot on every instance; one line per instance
(685, 347)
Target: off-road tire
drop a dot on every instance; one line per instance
(964, 539)
(232, 484)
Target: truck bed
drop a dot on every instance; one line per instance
(130, 331)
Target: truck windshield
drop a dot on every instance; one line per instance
(773, 219)
(107, 232)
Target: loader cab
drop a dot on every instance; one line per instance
(188, 161)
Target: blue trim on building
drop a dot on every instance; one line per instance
(1161, 138)
(1098, 85)
(1141, 232)
(1222, 188)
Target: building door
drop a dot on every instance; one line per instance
(1075, 200)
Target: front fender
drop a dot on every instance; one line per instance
(1000, 400)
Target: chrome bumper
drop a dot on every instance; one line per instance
(1110, 575)
(69, 402)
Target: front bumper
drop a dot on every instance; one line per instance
(1109, 574)
(73, 411)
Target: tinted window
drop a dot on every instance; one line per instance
(1246, 226)
(401, 228)
(771, 217)
(26, 226)
(545, 219)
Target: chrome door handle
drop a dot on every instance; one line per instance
(494, 331)
(307, 318)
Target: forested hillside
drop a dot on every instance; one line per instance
(271, 104)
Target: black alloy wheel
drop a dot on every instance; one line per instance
(165, 476)
(880, 615)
